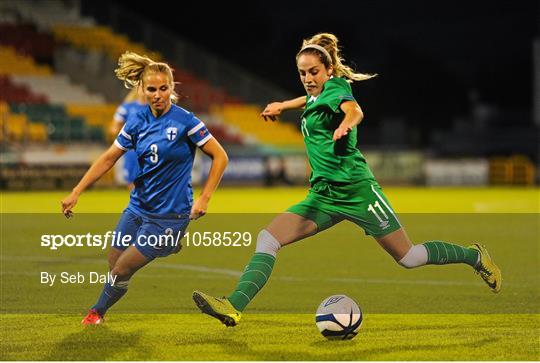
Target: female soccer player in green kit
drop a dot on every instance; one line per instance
(342, 186)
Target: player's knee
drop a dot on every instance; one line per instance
(266, 243)
(121, 273)
(415, 257)
(114, 254)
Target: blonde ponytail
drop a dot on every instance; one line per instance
(133, 67)
(330, 43)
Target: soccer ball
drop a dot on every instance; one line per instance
(339, 317)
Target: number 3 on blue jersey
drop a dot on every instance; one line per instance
(165, 148)
(154, 155)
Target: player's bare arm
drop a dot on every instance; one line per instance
(353, 117)
(115, 128)
(103, 164)
(219, 162)
(274, 109)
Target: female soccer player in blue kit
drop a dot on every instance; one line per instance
(165, 138)
(133, 103)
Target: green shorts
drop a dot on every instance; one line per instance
(362, 203)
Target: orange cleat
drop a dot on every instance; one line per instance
(93, 318)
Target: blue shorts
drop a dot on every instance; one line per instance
(154, 236)
(131, 166)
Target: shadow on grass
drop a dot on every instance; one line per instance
(99, 343)
(379, 353)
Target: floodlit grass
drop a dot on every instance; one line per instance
(430, 313)
(270, 337)
(275, 200)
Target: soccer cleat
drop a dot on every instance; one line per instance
(219, 308)
(93, 318)
(487, 269)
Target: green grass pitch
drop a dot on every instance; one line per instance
(429, 313)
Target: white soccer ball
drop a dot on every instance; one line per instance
(339, 317)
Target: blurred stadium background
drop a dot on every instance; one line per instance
(457, 102)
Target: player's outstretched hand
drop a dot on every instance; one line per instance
(272, 111)
(340, 132)
(68, 204)
(199, 209)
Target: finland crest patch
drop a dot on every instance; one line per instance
(171, 133)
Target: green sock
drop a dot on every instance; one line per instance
(442, 253)
(256, 273)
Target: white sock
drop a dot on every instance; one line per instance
(266, 243)
(417, 256)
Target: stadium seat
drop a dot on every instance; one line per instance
(99, 38)
(37, 132)
(12, 63)
(74, 114)
(28, 41)
(248, 121)
(95, 115)
(16, 126)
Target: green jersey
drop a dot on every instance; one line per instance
(333, 162)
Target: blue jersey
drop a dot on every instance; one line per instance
(125, 111)
(165, 148)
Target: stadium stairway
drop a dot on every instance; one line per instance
(27, 41)
(17, 127)
(197, 94)
(58, 89)
(44, 14)
(100, 38)
(13, 93)
(26, 88)
(246, 119)
(233, 122)
(13, 63)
